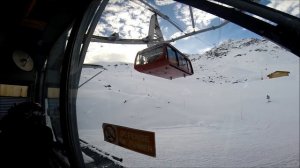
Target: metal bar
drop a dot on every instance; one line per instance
(266, 12)
(70, 74)
(91, 30)
(141, 41)
(192, 16)
(161, 15)
(90, 79)
(197, 32)
(93, 66)
(121, 41)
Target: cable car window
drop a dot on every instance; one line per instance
(140, 59)
(155, 55)
(189, 67)
(13, 90)
(229, 67)
(182, 61)
(150, 56)
(172, 56)
(116, 83)
(11, 95)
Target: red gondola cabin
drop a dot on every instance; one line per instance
(163, 60)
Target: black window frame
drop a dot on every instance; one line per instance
(169, 56)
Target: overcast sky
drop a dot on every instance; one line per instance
(131, 20)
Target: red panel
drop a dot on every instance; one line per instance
(162, 67)
(165, 71)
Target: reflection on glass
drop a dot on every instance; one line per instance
(219, 117)
(172, 56)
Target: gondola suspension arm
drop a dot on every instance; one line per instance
(101, 39)
(152, 41)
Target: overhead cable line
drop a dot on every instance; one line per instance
(152, 9)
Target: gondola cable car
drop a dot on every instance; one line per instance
(163, 60)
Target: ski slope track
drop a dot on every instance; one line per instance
(218, 117)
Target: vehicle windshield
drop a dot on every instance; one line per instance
(240, 108)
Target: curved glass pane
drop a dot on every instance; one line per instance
(239, 109)
(172, 56)
(150, 56)
(182, 62)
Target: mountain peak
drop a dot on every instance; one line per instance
(241, 47)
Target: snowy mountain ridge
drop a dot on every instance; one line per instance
(255, 57)
(260, 45)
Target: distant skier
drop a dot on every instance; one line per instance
(268, 98)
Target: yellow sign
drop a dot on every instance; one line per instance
(137, 140)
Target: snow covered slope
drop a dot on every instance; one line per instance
(219, 117)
